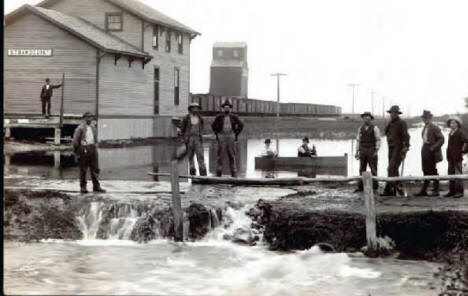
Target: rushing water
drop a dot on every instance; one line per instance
(210, 267)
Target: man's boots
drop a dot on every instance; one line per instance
(423, 191)
(435, 191)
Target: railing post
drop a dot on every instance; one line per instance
(371, 232)
(176, 203)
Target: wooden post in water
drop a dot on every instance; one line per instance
(176, 203)
(61, 102)
(371, 232)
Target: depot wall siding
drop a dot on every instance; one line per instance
(24, 76)
(167, 61)
(94, 11)
(124, 89)
(124, 128)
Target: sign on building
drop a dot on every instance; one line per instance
(30, 52)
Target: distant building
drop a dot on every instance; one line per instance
(229, 69)
(123, 60)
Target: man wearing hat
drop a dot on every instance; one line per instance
(457, 144)
(431, 153)
(368, 145)
(227, 128)
(46, 94)
(84, 147)
(192, 131)
(398, 145)
(304, 150)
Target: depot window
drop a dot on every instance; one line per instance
(114, 21)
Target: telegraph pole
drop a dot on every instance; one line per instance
(372, 100)
(278, 75)
(383, 107)
(353, 86)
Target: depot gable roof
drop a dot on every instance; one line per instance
(143, 11)
(81, 29)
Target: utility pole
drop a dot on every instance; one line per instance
(383, 107)
(278, 75)
(353, 86)
(372, 100)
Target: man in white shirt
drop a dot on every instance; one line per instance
(368, 145)
(84, 146)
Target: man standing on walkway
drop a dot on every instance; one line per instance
(431, 153)
(398, 145)
(84, 146)
(368, 145)
(46, 95)
(457, 144)
(192, 131)
(227, 128)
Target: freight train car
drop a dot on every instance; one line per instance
(211, 105)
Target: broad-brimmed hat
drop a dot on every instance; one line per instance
(427, 114)
(305, 139)
(456, 118)
(267, 141)
(394, 109)
(226, 102)
(367, 114)
(88, 114)
(194, 105)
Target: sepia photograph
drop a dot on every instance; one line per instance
(235, 148)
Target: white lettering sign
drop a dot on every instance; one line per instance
(30, 52)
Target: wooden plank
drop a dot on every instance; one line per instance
(261, 181)
(293, 163)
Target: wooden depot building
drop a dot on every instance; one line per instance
(122, 60)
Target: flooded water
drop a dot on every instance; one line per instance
(133, 163)
(213, 266)
(210, 267)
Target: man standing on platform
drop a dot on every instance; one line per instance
(457, 146)
(84, 146)
(431, 153)
(46, 95)
(192, 131)
(398, 145)
(368, 145)
(227, 128)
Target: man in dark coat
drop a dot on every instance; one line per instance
(368, 145)
(431, 152)
(398, 145)
(46, 95)
(304, 150)
(85, 149)
(192, 131)
(227, 128)
(457, 145)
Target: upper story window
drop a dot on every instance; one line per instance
(235, 53)
(168, 40)
(220, 52)
(180, 43)
(155, 39)
(176, 86)
(114, 21)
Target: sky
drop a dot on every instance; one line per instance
(411, 53)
